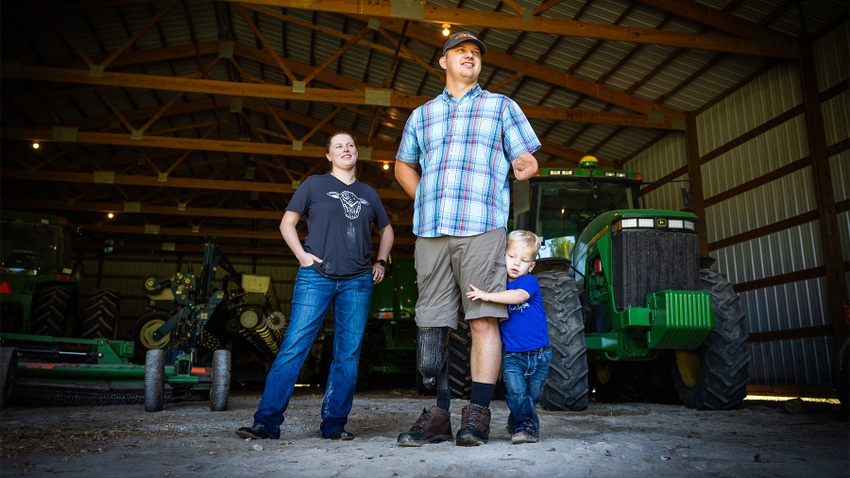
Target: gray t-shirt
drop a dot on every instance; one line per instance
(339, 224)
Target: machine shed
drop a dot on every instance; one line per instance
(160, 123)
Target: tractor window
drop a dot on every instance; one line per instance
(566, 206)
(33, 249)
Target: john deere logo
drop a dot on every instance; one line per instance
(661, 222)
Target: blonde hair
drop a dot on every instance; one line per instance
(525, 238)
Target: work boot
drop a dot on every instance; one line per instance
(523, 436)
(474, 426)
(433, 426)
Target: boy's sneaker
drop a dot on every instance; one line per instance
(433, 426)
(523, 436)
(255, 432)
(474, 426)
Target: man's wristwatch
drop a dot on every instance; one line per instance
(382, 262)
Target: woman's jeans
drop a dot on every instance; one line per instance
(311, 299)
(525, 374)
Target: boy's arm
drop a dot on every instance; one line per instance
(516, 296)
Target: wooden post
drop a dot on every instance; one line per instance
(824, 196)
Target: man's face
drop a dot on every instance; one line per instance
(463, 61)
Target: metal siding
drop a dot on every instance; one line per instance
(832, 63)
(757, 102)
(787, 306)
(836, 119)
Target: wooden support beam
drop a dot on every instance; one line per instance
(101, 177)
(362, 97)
(830, 239)
(428, 13)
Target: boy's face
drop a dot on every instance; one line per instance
(519, 260)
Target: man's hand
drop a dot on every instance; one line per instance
(525, 166)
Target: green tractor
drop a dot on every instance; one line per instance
(39, 282)
(634, 312)
(64, 343)
(389, 344)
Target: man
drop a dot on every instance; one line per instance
(454, 158)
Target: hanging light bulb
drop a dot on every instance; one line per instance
(446, 31)
(35, 145)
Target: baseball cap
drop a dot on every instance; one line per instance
(457, 38)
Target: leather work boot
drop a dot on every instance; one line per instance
(474, 426)
(433, 426)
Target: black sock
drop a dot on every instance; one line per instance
(482, 393)
(444, 398)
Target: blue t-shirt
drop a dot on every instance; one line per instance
(525, 328)
(339, 224)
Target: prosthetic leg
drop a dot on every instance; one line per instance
(432, 354)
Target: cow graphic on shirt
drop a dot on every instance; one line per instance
(351, 204)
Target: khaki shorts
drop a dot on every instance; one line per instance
(446, 265)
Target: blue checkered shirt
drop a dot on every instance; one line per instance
(464, 149)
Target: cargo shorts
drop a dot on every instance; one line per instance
(447, 265)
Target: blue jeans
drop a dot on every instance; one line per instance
(525, 374)
(311, 299)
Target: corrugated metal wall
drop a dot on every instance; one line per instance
(793, 305)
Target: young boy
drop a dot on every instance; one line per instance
(527, 353)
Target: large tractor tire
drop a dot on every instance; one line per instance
(154, 380)
(715, 376)
(621, 382)
(567, 387)
(101, 314)
(52, 307)
(460, 350)
(8, 374)
(220, 387)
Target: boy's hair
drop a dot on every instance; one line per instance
(525, 238)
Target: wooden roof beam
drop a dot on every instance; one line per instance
(465, 16)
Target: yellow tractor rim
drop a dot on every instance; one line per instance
(146, 335)
(688, 364)
(604, 372)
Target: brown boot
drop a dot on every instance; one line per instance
(474, 426)
(433, 426)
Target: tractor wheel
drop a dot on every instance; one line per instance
(621, 382)
(154, 380)
(144, 329)
(715, 376)
(841, 376)
(567, 386)
(460, 350)
(220, 387)
(8, 373)
(53, 306)
(101, 315)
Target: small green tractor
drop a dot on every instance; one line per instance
(634, 312)
(39, 282)
(62, 338)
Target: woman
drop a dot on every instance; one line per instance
(335, 268)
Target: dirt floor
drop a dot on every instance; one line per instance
(771, 439)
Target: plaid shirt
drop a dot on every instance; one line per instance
(464, 149)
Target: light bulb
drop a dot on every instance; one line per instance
(446, 31)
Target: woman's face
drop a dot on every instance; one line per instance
(342, 152)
